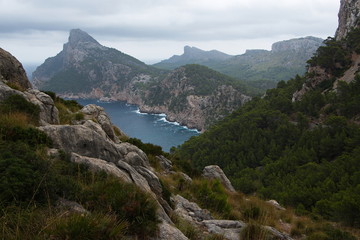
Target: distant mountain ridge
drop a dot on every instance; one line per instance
(188, 95)
(286, 59)
(192, 55)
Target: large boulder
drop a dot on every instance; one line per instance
(12, 71)
(215, 172)
(85, 141)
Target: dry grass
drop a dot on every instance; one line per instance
(15, 86)
(15, 119)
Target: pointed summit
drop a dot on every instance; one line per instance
(78, 36)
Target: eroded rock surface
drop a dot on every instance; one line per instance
(215, 172)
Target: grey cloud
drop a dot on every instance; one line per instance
(169, 20)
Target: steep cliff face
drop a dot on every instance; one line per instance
(86, 69)
(349, 15)
(339, 59)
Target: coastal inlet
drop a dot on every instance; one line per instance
(149, 128)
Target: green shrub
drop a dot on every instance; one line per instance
(166, 194)
(31, 136)
(211, 195)
(148, 148)
(79, 116)
(23, 174)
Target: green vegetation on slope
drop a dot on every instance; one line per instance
(303, 154)
(32, 185)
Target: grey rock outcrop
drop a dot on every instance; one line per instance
(97, 164)
(168, 231)
(12, 71)
(277, 234)
(202, 218)
(349, 15)
(190, 210)
(93, 111)
(85, 141)
(230, 229)
(49, 114)
(275, 204)
(165, 163)
(152, 179)
(215, 172)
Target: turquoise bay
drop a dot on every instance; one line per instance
(150, 128)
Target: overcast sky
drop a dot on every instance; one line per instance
(152, 30)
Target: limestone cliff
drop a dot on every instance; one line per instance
(349, 15)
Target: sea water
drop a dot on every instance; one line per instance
(149, 128)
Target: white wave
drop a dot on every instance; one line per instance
(163, 119)
(101, 101)
(138, 112)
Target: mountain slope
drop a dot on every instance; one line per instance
(302, 151)
(84, 65)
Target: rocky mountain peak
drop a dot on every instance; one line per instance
(78, 36)
(192, 50)
(349, 16)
